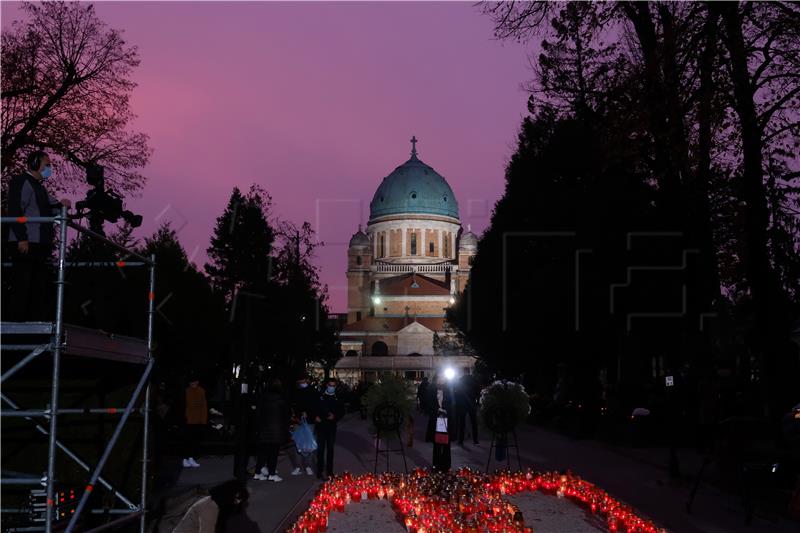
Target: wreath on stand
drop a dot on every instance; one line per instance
(389, 402)
(504, 404)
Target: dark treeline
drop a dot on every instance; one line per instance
(649, 225)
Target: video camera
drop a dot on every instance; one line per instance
(104, 204)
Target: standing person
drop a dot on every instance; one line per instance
(329, 411)
(422, 391)
(27, 197)
(442, 401)
(466, 405)
(272, 428)
(304, 399)
(196, 420)
(439, 397)
(209, 514)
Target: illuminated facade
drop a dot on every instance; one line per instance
(410, 264)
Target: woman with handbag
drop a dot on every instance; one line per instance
(439, 397)
(439, 404)
(441, 443)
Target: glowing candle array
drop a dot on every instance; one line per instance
(464, 501)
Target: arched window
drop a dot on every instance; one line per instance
(358, 259)
(351, 353)
(446, 245)
(380, 349)
(430, 247)
(382, 248)
(414, 243)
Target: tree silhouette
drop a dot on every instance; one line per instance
(305, 334)
(241, 246)
(697, 102)
(65, 88)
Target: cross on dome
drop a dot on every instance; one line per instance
(414, 146)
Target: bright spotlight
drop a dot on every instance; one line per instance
(452, 300)
(449, 373)
(376, 300)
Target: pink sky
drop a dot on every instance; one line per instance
(315, 102)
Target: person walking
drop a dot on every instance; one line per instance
(304, 399)
(466, 396)
(210, 513)
(196, 420)
(272, 428)
(328, 413)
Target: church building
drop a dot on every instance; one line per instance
(403, 272)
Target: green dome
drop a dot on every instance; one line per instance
(413, 187)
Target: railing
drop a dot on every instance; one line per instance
(439, 268)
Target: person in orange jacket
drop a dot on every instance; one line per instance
(196, 420)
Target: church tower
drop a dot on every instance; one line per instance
(359, 263)
(467, 249)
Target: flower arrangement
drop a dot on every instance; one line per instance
(391, 391)
(504, 404)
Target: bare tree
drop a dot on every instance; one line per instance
(65, 88)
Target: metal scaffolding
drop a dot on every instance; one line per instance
(62, 339)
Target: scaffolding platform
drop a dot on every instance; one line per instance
(77, 341)
(26, 343)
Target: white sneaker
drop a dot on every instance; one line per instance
(193, 463)
(297, 471)
(276, 478)
(309, 471)
(264, 471)
(260, 477)
(186, 463)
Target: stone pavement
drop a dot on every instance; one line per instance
(642, 484)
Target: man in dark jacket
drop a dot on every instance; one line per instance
(329, 411)
(304, 400)
(271, 431)
(27, 197)
(466, 394)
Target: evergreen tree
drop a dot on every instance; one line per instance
(241, 246)
(190, 318)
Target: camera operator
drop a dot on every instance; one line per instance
(27, 197)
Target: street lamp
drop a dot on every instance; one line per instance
(376, 300)
(449, 373)
(452, 300)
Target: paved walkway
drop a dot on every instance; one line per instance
(641, 483)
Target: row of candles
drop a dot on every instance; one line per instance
(464, 501)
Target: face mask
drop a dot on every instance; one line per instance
(303, 385)
(46, 172)
(330, 390)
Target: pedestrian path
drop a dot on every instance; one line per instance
(274, 506)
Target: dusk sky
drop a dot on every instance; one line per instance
(315, 102)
